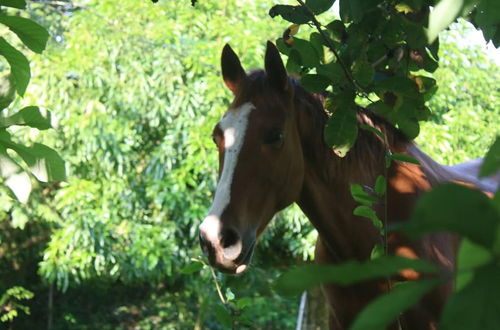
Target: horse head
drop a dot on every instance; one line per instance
(261, 164)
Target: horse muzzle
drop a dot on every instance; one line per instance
(227, 249)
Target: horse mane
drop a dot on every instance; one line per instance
(366, 159)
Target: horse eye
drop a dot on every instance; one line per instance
(274, 138)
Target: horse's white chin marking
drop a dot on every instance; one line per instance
(234, 126)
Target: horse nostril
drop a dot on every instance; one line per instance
(231, 243)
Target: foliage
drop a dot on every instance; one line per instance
(10, 304)
(382, 50)
(43, 162)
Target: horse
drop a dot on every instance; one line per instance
(272, 154)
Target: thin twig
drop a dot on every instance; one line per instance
(214, 277)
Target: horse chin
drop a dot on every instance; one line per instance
(240, 265)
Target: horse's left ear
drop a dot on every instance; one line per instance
(275, 69)
(232, 71)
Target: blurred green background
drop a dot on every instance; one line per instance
(135, 89)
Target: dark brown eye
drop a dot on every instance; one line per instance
(274, 138)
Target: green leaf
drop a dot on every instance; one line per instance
(361, 196)
(316, 41)
(314, 83)
(223, 316)
(20, 4)
(341, 128)
(491, 163)
(337, 30)
(355, 10)
(381, 185)
(377, 251)
(283, 47)
(44, 162)
(302, 278)
(293, 62)
(192, 267)
(408, 125)
(367, 212)
(404, 158)
(19, 65)
(332, 70)
(7, 91)
(15, 178)
(32, 34)
(444, 13)
(28, 116)
(319, 6)
(243, 302)
(487, 18)
(293, 14)
(398, 84)
(385, 309)
(470, 256)
(229, 294)
(458, 209)
(309, 57)
(477, 305)
(363, 72)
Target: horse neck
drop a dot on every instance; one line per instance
(325, 197)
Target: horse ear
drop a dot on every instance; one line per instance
(275, 69)
(232, 71)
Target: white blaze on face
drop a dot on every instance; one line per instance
(234, 126)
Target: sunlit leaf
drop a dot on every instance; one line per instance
(367, 212)
(19, 65)
(15, 177)
(28, 116)
(443, 14)
(361, 196)
(7, 91)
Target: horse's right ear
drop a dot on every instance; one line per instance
(232, 71)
